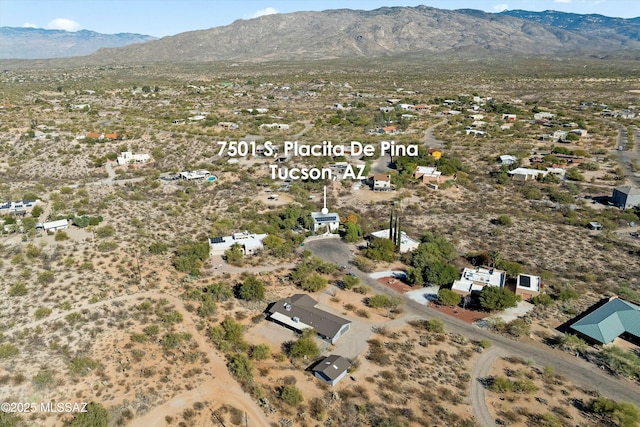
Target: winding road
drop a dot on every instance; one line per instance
(574, 368)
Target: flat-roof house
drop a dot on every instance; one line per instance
(609, 321)
(543, 115)
(526, 174)
(329, 221)
(475, 279)
(528, 286)
(18, 207)
(332, 369)
(427, 173)
(380, 182)
(127, 157)
(407, 244)
(53, 225)
(507, 159)
(249, 243)
(299, 312)
(626, 197)
(196, 174)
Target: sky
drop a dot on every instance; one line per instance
(161, 18)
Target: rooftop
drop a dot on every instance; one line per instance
(610, 320)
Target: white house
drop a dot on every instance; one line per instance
(329, 221)
(282, 126)
(528, 286)
(407, 244)
(196, 174)
(53, 225)
(127, 157)
(406, 107)
(249, 243)
(543, 115)
(475, 279)
(427, 173)
(332, 369)
(526, 174)
(381, 182)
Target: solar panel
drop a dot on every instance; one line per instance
(216, 240)
(327, 219)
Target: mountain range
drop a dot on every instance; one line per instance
(35, 43)
(420, 31)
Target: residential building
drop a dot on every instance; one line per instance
(380, 182)
(526, 174)
(194, 175)
(407, 244)
(528, 286)
(332, 369)
(127, 157)
(626, 197)
(249, 243)
(435, 153)
(328, 222)
(610, 320)
(282, 126)
(20, 207)
(507, 159)
(475, 279)
(53, 226)
(509, 117)
(299, 312)
(427, 173)
(543, 115)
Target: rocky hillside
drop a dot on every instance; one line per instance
(388, 31)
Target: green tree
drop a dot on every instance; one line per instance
(494, 298)
(353, 232)
(260, 352)
(251, 289)
(95, 416)
(234, 254)
(543, 299)
(448, 297)
(381, 250)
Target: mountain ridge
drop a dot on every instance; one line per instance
(40, 43)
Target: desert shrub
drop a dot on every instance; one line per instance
(435, 326)
(518, 328)
(314, 283)
(448, 297)
(44, 378)
(61, 236)
(251, 289)
(95, 416)
(46, 277)
(158, 248)
(82, 365)
(42, 312)
(626, 414)
(621, 362)
(291, 395)
(349, 281)
(304, 346)
(8, 350)
(17, 289)
(104, 232)
(504, 220)
(543, 299)
(260, 352)
(572, 343)
(241, 367)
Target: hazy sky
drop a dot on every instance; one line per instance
(167, 17)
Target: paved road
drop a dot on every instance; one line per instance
(429, 140)
(575, 369)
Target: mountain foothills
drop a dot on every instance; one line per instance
(34, 43)
(389, 31)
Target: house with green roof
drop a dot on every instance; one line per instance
(614, 318)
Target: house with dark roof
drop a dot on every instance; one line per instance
(626, 197)
(332, 369)
(299, 312)
(615, 318)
